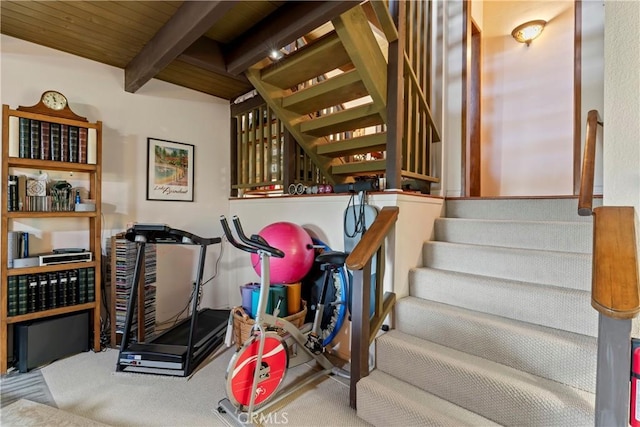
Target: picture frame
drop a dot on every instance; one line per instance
(170, 170)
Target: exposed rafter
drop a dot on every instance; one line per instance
(207, 54)
(188, 24)
(282, 27)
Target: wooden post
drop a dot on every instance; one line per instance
(395, 99)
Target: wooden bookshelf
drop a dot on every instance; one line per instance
(46, 219)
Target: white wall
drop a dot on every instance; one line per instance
(621, 145)
(452, 99)
(159, 110)
(527, 100)
(322, 217)
(592, 70)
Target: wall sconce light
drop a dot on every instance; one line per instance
(528, 31)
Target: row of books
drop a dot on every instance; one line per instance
(30, 293)
(36, 139)
(19, 199)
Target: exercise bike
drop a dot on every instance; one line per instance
(257, 370)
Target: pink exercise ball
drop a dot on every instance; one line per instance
(296, 244)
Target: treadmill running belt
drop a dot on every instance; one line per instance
(209, 322)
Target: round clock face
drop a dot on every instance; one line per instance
(54, 100)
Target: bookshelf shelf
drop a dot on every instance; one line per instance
(50, 313)
(84, 158)
(53, 165)
(49, 268)
(48, 214)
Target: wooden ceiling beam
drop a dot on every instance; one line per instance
(282, 27)
(207, 54)
(190, 22)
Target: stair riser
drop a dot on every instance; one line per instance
(505, 395)
(563, 269)
(518, 209)
(383, 400)
(564, 309)
(553, 236)
(549, 353)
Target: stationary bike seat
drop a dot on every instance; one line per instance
(332, 257)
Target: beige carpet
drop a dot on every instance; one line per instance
(27, 413)
(88, 385)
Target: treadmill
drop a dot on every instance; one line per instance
(180, 349)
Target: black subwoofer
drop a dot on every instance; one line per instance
(43, 341)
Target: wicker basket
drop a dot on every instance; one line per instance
(242, 323)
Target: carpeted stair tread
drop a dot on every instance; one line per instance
(540, 235)
(383, 400)
(536, 209)
(498, 392)
(568, 269)
(550, 306)
(555, 354)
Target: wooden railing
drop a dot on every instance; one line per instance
(364, 328)
(615, 289)
(265, 159)
(410, 125)
(585, 200)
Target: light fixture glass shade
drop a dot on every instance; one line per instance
(528, 31)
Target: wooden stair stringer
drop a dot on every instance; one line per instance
(355, 32)
(273, 97)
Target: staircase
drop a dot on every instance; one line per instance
(498, 327)
(328, 89)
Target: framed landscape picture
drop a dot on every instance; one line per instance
(169, 170)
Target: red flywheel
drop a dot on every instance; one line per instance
(240, 374)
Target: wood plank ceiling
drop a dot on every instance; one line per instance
(202, 45)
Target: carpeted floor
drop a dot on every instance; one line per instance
(27, 413)
(88, 386)
(29, 385)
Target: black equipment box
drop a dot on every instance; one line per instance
(43, 341)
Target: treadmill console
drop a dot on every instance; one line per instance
(163, 234)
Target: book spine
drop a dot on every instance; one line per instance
(12, 193)
(72, 293)
(25, 138)
(45, 140)
(23, 286)
(43, 282)
(14, 136)
(92, 147)
(63, 279)
(12, 295)
(53, 290)
(35, 140)
(73, 144)
(55, 141)
(64, 143)
(22, 192)
(91, 291)
(82, 145)
(82, 285)
(32, 294)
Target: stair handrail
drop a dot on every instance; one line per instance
(615, 289)
(364, 328)
(585, 198)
